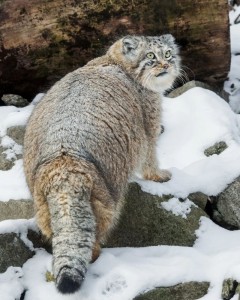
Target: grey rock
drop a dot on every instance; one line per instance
(13, 251)
(230, 288)
(191, 84)
(5, 164)
(228, 205)
(199, 198)
(15, 100)
(187, 86)
(217, 148)
(144, 222)
(184, 291)
(16, 209)
(16, 133)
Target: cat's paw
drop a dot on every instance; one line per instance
(160, 176)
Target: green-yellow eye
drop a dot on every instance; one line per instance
(151, 55)
(168, 54)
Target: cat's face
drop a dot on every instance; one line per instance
(153, 61)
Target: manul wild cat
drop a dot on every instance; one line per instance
(93, 130)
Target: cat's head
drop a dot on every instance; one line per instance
(152, 60)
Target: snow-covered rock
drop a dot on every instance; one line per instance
(193, 122)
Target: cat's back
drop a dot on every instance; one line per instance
(94, 111)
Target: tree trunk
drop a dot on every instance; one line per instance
(42, 40)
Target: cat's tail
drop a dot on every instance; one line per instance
(73, 226)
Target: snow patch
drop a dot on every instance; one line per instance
(177, 207)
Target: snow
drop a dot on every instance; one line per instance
(122, 273)
(12, 182)
(20, 227)
(177, 207)
(193, 122)
(10, 284)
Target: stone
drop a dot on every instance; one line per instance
(15, 100)
(228, 204)
(199, 198)
(17, 134)
(217, 148)
(193, 83)
(16, 209)
(13, 251)
(187, 86)
(184, 291)
(144, 222)
(5, 164)
(230, 287)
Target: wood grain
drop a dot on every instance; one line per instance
(42, 40)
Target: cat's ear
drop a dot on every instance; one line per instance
(129, 44)
(168, 38)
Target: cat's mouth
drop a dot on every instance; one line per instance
(162, 73)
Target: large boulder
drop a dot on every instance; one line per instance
(16, 209)
(41, 41)
(144, 222)
(194, 83)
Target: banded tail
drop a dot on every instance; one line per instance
(73, 226)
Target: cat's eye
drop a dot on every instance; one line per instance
(168, 54)
(150, 55)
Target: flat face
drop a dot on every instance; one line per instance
(155, 60)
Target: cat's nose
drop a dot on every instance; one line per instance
(165, 66)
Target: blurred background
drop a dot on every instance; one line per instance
(42, 40)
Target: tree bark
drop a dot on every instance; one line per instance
(42, 40)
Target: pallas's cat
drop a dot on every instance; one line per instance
(91, 131)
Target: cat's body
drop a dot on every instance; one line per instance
(89, 134)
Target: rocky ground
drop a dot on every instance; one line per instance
(145, 220)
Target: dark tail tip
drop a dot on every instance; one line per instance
(69, 280)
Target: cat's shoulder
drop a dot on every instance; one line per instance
(99, 61)
(103, 65)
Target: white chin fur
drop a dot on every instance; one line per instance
(160, 84)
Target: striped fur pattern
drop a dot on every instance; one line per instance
(86, 137)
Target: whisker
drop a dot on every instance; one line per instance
(184, 74)
(193, 74)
